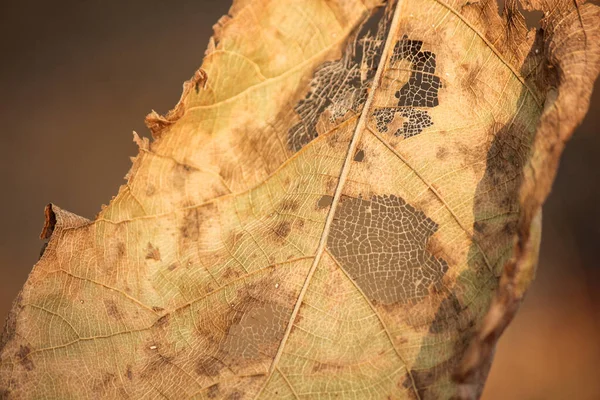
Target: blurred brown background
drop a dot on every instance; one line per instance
(76, 77)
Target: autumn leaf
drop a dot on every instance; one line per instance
(344, 203)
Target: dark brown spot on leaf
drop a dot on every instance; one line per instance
(231, 273)
(101, 385)
(213, 391)
(112, 310)
(447, 311)
(282, 230)
(442, 153)
(10, 324)
(180, 175)
(479, 226)
(510, 228)
(152, 253)
(359, 156)
(121, 249)
(471, 78)
(189, 228)
(209, 366)
(324, 201)
(150, 190)
(162, 321)
(289, 205)
(332, 368)
(23, 356)
(297, 321)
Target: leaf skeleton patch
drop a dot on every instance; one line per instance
(382, 244)
(339, 88)
(421, 90)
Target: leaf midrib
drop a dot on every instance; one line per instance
(356, 136)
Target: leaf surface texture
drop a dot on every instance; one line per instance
(344, 204)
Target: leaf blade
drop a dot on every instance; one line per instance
(344, 237)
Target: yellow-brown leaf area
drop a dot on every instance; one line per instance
(325, 214)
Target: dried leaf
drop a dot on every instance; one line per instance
(344, 203)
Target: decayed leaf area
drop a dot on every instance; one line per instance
(344, 204)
